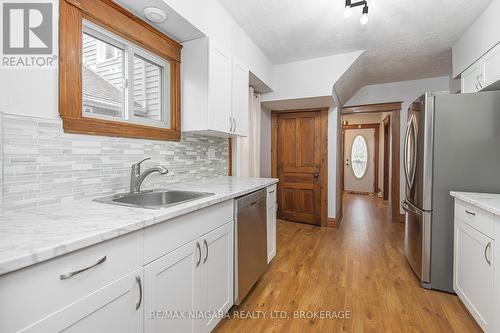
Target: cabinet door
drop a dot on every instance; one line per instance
(474, 273)
(470, 79)
(172, 289)
(217, 274)
(492, 66)
(219, 89)
(240, 109)
(271, 233)
(116, 308)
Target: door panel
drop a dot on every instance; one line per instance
(171, 285)
(116, 308)
(217, 273)
(299, 159)
(413, 159)
(413, 241)
(366, 183)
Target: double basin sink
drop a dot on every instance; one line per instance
(155, 199)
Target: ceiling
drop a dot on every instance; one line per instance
(403, 40)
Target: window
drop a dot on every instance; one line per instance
(118, 75)
(122, 80)
(359, 156)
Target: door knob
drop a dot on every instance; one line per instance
(316, 175)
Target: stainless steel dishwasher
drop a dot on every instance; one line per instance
(251, 242)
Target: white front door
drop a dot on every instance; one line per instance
(359, 160)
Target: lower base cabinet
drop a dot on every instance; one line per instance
(191, 288)
(116, 308)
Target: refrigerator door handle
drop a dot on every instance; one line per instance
(415, 149)
(405, 152)
(410, 209)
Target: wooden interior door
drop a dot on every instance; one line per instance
(299, 166)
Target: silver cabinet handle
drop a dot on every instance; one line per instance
(198, 247)
(470, 213)
(230, 124)
(271, 192)
(67, 275)
(486, 255)
(234, 120)
(206, 247)
(138, 305)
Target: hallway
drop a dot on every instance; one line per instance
(359, 268)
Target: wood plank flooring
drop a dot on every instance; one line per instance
(359, 268)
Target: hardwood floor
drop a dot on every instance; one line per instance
(359, 268)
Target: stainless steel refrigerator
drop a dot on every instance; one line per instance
(452, 142)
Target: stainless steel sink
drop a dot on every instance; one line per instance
(155, 199)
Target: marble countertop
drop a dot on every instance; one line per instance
(31, 236)
(487, 201)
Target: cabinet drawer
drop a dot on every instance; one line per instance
(477, 218)
(271, 196)
(31, 294)
(164, 237)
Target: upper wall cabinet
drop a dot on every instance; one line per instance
(214, 90)
(484, 74)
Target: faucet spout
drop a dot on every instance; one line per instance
(136, 178)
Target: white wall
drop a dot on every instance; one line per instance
(32, 91)
(309, 78)
(214, 21)
(481, 36)
(404, 91)
(333, 153)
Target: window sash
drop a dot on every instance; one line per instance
(130, 50)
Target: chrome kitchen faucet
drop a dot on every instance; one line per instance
(136, 178)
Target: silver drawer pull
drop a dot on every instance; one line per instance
(486, 255)
(470, 213)
(139, 282)
(271, 192)
(67, 275)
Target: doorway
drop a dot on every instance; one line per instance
(299, 160)
(361, 158)
(390, 172)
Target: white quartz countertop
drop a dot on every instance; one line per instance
(31, 236)
(487, 201)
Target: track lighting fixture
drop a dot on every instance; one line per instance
(348, 10)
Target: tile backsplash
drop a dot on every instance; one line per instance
(42, 165)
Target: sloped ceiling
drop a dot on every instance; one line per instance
(404, 39)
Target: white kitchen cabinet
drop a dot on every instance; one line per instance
(116, 308)
(215, 88)
(240, 106)
(216, 275)
(484, 74)
(219, 89)
(173, 283)
(472, 79)
(272, 208)
(474, 264)
(492, 66)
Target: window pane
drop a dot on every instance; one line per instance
(359, 156)
(148, 88)
(103, 78)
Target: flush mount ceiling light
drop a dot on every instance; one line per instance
(155, 14)
(348, 10)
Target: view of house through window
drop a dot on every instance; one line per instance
(121, 80)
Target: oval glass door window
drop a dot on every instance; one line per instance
(359, 156)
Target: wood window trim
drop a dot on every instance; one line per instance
(325, 222)
(376, 127)
(119, 21)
